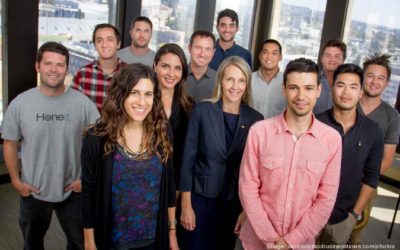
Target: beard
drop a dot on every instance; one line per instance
(226, 40)
(141, 46)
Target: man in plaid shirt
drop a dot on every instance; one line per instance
(94, 79)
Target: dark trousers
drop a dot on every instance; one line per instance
(35, 218)
(215, 223)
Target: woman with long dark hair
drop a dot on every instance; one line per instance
(127, 175)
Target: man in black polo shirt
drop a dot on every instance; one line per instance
(361, 157)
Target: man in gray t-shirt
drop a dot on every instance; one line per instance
(377, 73)
(48, 121)
(139, 51)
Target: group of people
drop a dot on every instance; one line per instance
(166, 154)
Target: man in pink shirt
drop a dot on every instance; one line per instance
(290, 169)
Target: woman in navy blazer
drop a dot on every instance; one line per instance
(214, 145)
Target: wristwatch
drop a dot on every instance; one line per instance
(356, 215)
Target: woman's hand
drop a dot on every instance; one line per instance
(89, 239)
(239, 222)
(188, 218)
(173, 242)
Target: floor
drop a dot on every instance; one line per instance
(375, 235)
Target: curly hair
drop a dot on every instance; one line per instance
(171, 48)
(114, 116)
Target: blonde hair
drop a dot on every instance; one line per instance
(244, 67)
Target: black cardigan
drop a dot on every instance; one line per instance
(178, 120)
(96, 193)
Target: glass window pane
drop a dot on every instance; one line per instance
(244, 9)
(297, 25)
(173, 21)
(72, 22)
(374, 27)
(1, 65)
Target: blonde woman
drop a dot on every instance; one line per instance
(214, 145)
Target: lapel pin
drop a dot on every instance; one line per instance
(242, 126)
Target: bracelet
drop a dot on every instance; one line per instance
(174, 222)
(171, 229)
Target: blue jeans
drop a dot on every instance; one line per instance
(35, 218)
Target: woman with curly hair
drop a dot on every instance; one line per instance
(128, 189)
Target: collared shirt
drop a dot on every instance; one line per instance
(267, 97)
(221, 54)
(288, 185)
(93, 82)
(324, 102)
(361, 161)
(203, 88)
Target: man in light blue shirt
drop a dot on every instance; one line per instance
(266, 83)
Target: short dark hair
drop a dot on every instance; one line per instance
(348, 68)
(229, 13)
(381, 60)
(52, 47)
(141, 19)
(301, 65)
(201, 33)
(272, 41)
(336, 43)
(105, 25)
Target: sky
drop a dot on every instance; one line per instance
(385, 12)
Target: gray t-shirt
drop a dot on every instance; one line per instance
(128, 57)
(51, 133)
(203, 88)
(388, 120)
(267, 97)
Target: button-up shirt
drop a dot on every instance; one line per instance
(236, 50)
(288, 185)
(93, 82)
(361, 161)
(267, 96)
(203, 88)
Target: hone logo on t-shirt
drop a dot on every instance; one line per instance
(42, 117)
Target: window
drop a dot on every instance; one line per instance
(173, 21)
(71, 22)
(297, 25)
(1, 65)
(244, 9)
(374, 27)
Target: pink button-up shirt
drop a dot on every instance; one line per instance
(288, 185)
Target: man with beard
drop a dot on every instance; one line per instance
(227, 26)
(139, 51)
(48, 121)
(94, 79)
(362, 143)
(377, 74)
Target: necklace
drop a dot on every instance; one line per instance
(131, 154)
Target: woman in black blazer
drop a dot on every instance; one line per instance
(214, 145)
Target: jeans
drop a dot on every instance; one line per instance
(35, 218)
